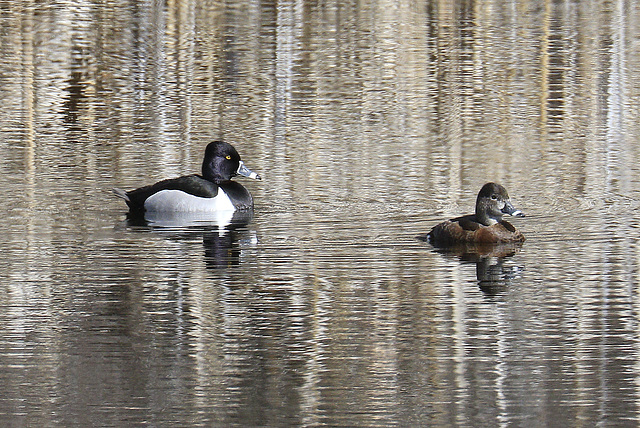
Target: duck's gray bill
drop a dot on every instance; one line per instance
(246, 172)
(511, 210)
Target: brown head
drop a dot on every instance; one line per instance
(492, 203)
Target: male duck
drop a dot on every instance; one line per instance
(485, 226)
(213, 191)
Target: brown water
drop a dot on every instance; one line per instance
(369, 123)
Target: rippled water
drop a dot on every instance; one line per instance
(369, 123)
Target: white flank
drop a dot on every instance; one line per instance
(179, 201)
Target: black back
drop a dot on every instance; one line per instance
(193, 184)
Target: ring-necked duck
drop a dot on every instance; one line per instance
(212, 191)
(485, 226)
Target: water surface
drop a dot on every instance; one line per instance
(369, 123)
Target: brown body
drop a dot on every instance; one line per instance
(468, 230)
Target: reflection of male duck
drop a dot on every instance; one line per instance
(219, 219)
(485, 226)
(223, 237)
(211, 192)
(225, 249)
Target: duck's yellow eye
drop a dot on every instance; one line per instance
(228, 157)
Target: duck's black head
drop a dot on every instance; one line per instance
(222, 162)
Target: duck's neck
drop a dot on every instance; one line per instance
(483, 217)
(486, 220)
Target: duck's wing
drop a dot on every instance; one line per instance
(467, 222)
(192, 184)
(457, 229)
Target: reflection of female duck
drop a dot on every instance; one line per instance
(211, 192)
(492, 273)
(485, 226)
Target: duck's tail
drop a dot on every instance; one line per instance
(121, 194)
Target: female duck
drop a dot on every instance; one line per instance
(212, 191)
(485, 226)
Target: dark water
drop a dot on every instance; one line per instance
(369, 123)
